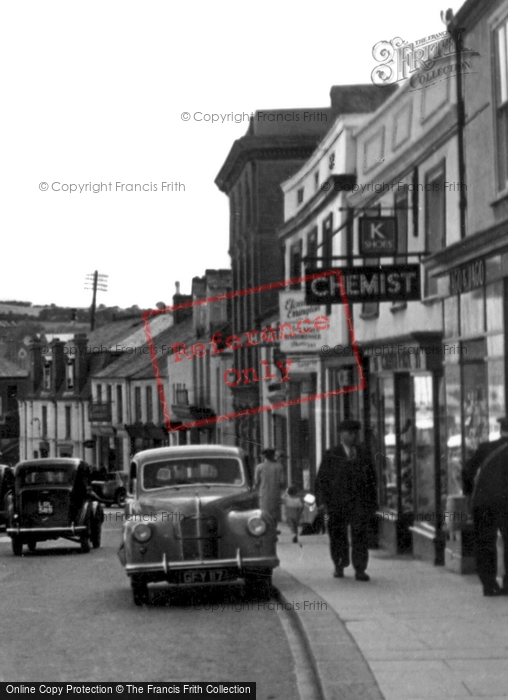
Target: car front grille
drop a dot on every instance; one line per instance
(200, 537)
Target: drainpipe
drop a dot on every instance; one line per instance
(461, 125)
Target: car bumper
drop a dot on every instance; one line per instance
(239, 563)
(73, 530)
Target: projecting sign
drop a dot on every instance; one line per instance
(372, 283)
(378, 236)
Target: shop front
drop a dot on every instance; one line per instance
(404, 414)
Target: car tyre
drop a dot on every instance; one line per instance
(96, 527)
(139, 591)
(85, 543)
(259, 584)
(121, 497)
(17, 545)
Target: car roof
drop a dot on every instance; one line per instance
(46, 462)
(188, 451)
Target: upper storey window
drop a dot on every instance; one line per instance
(501, 71)
(299, 195)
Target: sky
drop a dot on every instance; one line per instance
(94, 92)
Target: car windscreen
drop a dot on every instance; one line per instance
(197, 470)
(53, 476)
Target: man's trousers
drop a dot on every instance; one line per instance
(339, 541)
(487, 521)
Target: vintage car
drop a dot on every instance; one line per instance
(112, 489)
(52, 498)
(192, 517)
(6, 480)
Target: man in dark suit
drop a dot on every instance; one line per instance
(490, 507)
(346, 486)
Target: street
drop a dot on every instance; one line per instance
(68, 616)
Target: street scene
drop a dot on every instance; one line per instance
(256, 443)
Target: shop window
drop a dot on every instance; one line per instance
(435, 220)
(295, 263)
(501, 98)
(424, 448)
(494, 303)
(472, 312)
(451, 317)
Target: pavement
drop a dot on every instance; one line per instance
(414, 631)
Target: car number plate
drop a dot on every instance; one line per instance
(204, 576)
(45, 508)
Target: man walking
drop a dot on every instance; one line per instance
(346, 486)
(489, 491)
(269, 479)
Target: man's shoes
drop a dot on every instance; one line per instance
(495, 590)
(295, 539)
(362, 576)
(339, 572)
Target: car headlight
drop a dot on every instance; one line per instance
(142, 532)
(256, 525)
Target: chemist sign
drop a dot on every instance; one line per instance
(360, 284)
(378, 236)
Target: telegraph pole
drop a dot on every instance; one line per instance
(98, 282)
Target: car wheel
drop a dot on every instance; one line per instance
(139, 591)
(259, 584)
(96, 527)
(121, 497)
(17, 545)
(32, 545)
(85, 543)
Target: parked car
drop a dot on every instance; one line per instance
(52, 498)
(192, 517)
(112, 489)
(6, 479)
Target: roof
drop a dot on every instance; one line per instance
(188, 451)
(49, 462)
(8, 369)
(137, 363)
(358, 99)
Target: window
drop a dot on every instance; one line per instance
(70, 374)
(68, 422)
(312, 250)
(435, 219)
(44, 421)
(99, 393)
(316, 180)
(328, 241)
(295, 263)
(109, 395)
(137, 404)
(401, 204)
(46, 374)
(149, 404)
(299, 196)
(119, 404)
(501, 71)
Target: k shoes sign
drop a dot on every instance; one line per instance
(378, 236)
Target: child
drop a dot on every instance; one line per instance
(294, 509)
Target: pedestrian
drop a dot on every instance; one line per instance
(346, 486)
(485, 480)
(268, 480)
(294, 509)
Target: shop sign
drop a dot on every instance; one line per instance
(304, 365)
(99, 413)
(378, 236)
(467, 277)
(306, 329)
(394, 361)
(374, 283)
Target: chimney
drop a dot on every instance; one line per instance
(180, 315)
(177, 285)
(35, 365)
(80, 361)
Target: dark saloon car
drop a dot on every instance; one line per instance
(192, 517)
(52, 498)
(111, 489)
